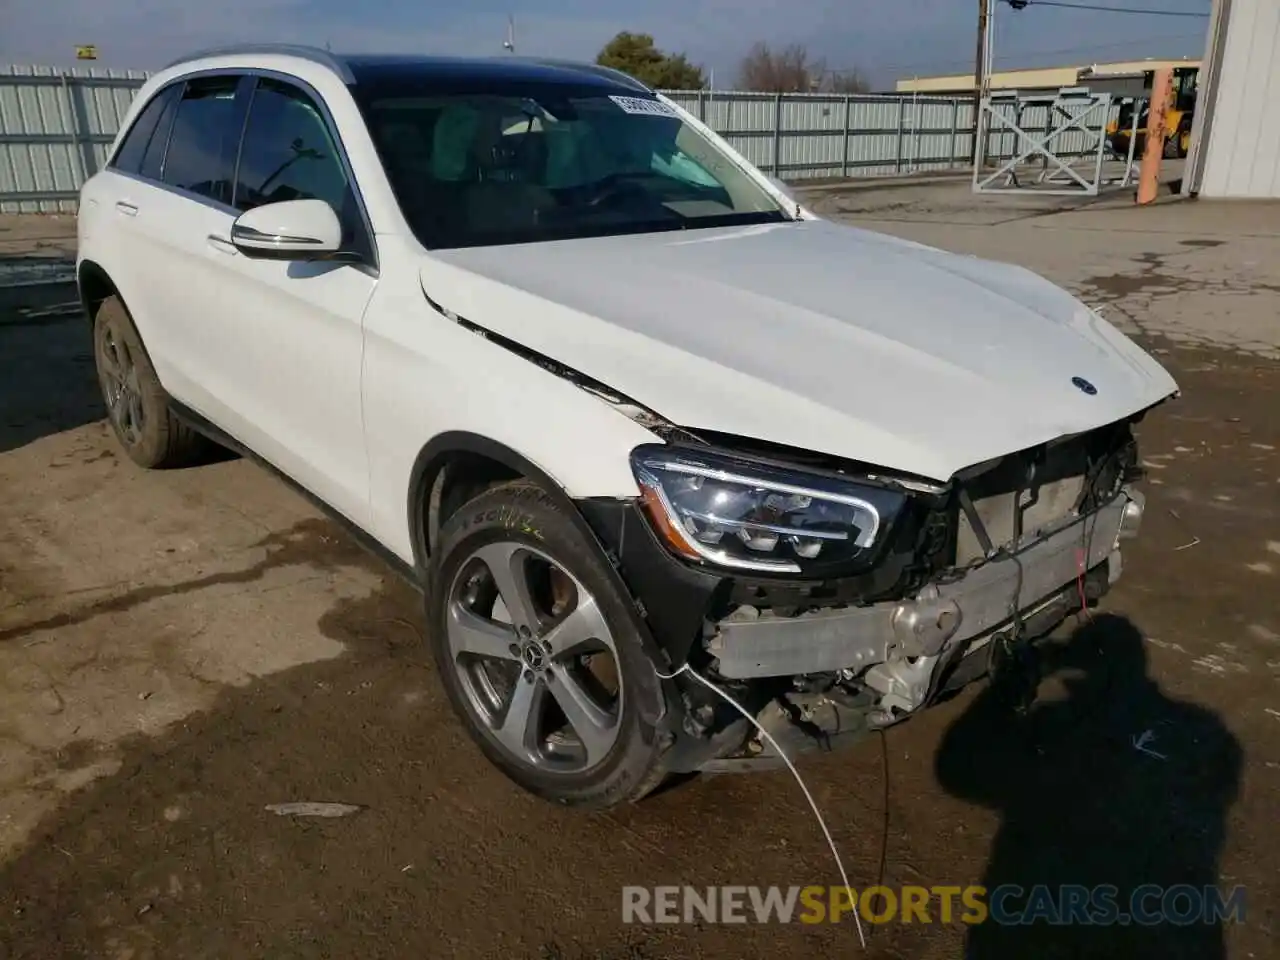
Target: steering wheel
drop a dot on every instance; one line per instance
(617, 185)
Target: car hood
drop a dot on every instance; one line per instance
(815, 335)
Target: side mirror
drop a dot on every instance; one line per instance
(288, 230)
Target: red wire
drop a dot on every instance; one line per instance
(1084, 600)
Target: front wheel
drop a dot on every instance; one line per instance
(538, 652)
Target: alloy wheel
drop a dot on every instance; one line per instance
(535, 658)
(120, 387)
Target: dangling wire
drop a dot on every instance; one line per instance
(844, 877)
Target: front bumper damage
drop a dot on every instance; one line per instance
(899, 643)
(908, 653)
(829, 674)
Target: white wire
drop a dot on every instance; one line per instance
(794, 772)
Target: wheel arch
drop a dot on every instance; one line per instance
(455, 466)
(95, 286)
(490, 463)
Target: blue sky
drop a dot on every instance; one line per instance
(887, 39)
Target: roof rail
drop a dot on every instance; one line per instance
(592, 68)
(314, 54)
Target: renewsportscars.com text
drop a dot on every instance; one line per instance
(1104, 905)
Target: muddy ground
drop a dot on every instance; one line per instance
(178, 650)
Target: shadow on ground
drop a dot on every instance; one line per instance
(1110, 794)
(47, 380)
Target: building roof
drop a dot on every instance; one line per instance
(1036, 77)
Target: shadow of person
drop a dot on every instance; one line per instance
(1105, 786)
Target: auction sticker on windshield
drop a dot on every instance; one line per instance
(652, 108)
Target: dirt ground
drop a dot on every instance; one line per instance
(180, 649)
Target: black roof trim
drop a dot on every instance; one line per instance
(594, 69)
(378, 68)
(348, 66)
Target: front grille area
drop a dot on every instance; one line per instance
(1049, 484)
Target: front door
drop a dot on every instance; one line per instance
(287, 339)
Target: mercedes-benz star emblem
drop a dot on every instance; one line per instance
(1084, 386)
(534, 658)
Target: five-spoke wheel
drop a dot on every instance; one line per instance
(539, 651)
(535, 657)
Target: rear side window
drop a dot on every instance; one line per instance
(288, 152)
(205, 132)
(134, 147)
(153, 160)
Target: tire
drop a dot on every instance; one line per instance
(137, 406)
(519, 527)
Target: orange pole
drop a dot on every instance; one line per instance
(1161, 95)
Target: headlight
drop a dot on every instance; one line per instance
(736, 512)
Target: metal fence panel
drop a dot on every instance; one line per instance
(56, 126)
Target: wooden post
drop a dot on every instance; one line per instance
(1161, 94)
(979, 76)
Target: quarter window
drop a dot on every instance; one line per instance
(288, 153)
(134, 147)
(153, 160)
(204, 135)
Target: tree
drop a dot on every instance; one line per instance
(787, 71)
(635, 54)
(847, 81)
(792, 70)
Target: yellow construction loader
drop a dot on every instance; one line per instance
(1177, 134)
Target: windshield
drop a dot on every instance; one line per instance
(473, 169)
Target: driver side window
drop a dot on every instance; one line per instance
(288, 152)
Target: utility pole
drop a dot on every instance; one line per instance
(979, 75)
(1157, 112)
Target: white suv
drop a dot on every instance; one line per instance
(613, 399)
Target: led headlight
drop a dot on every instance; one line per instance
(736, 512)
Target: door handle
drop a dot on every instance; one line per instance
(128, 209)
(222, 244)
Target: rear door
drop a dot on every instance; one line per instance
(285, 339)
(121, 206)
(183, 206)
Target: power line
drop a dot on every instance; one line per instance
(1101, 9)
(1085, 48)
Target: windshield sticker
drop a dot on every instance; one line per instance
(648, 108)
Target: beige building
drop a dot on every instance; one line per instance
(1235, 151)
(1041, 78)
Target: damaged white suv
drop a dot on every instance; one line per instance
(610, 397)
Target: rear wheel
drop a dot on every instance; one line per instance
(137, 406)
(538, 652)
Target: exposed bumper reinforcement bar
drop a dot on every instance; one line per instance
(941, 616)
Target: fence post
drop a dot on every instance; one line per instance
(1048, 129)
(844, 150)
(777, 135)
(702, 107)
(79, 169)
(955, 129)
(916, 117)
(987, 111)
(902, 111)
